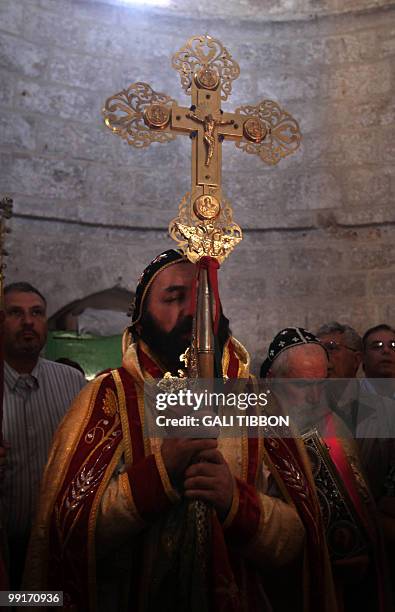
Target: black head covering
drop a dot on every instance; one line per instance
(164, 260)
(285, 339)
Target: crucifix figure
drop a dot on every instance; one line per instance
(209, 125)
(142, 116)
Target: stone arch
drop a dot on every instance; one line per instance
(106, 304)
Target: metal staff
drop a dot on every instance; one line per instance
(204, 228)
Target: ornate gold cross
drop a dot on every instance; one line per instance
(142, 116)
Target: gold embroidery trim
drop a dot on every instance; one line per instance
(92, 525)
(153, 358)
(277, 478)
(244, 453)
(243, 358)
(261, 451)
(169, 490)
(234, 507)
(124, 417)
(83, 426)
(110, 405)
(125, 484)
(70, 453)
(226, 357)
(140, 403)
(105, 437)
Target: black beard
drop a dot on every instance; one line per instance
(168, 346)
(17, 348)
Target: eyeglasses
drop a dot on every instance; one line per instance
(332, 346)
(379, 345)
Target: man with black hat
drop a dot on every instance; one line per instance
(347, 506)
(109, 530)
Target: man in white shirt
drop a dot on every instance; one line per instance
(37, 393)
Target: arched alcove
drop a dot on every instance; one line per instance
(89, 330)
(98, 308)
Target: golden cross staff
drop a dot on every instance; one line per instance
(204, 226)
(141, 116)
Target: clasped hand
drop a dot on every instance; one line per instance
(202, 469)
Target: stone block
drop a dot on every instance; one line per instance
(77, 71)
(236, 161)
(386, 41)
(100, 39)
(58, 101)
(360, 147)
(11, 16)
(81, 9)
(359, 313)
(386, 313)
(75, 140)
(382, 284)
(323, 148)
(366, 257)
(303, 52)
(387, 145)
(261, 204)
(244, 91)
(284, 86)
(22, 57)
(140, 190)
(386, 112)
(268, 53)
(366, 187)
(46, 208)
(353, 285)
(259, 216)
(374, 112)
(370, 113)
(46, 28)
(310, 116)
(293, 286)
(371, 79)
(314, 191)
(310, 258)
(6, 88)
(17, 131)
(352, 48)
(366, 216)
(43, 177)
(251, 287)
(170, 157)
(268, 317)
(68, 31)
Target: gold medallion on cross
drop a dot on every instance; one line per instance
(141, 116)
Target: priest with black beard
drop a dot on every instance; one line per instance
(110, 529)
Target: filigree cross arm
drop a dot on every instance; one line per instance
(268, 131)
(140, 115)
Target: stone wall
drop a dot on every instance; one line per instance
(91, 211)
